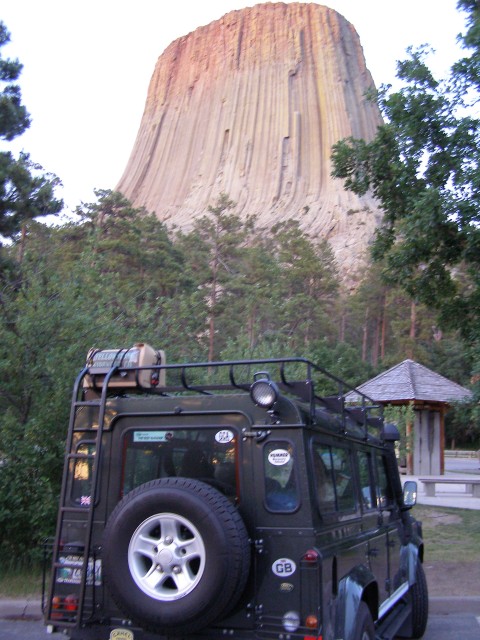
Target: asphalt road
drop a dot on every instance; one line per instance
(459, 626)
(462, 465)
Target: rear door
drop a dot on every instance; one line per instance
(282, 531)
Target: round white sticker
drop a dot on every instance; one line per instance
(279, 457)
(225, 436)
(284, 567)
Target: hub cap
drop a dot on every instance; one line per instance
(166, 556)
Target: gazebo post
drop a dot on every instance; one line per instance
(443, 408)
(408, 444)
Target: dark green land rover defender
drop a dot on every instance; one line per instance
(231, 500)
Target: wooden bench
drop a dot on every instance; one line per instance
(472, 485)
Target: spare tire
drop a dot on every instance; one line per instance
(176, 555)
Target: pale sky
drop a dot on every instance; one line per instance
(88, 64)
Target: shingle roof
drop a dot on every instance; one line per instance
(411, 381)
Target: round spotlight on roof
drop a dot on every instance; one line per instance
(264, 393)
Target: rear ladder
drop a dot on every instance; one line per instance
(79, 606)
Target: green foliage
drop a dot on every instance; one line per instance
(462, 425)
(117, 276)
(26, 192)
(14, 119)
(402, 416)
(423, 168)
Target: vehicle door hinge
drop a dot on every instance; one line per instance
(259, 545)
(259, 435)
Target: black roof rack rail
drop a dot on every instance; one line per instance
(302, 387)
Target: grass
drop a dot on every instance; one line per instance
(452, 534)
(19, 581)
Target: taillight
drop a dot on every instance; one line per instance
(311, 561)
(311, 622)
(71, 603)
(56, 605)
(64, 607)
(310, 556)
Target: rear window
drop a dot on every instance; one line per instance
(81, 474)
(207, 454)
(281, 488)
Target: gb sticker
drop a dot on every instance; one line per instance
(284, 567)
(224, 436)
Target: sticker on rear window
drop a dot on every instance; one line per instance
(279, 457)
(152, 436)
(224, 436)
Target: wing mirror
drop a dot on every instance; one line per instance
(410, 493)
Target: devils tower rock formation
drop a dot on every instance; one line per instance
(251, 105)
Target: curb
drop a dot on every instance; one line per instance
(21, 609)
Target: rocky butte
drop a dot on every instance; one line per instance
(251, 105)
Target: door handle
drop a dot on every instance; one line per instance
(372, 552)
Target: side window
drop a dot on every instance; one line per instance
(333, 478)
(324, 481)
(281, 489)
(365, 474)
(382, 486)
(81, 487)
(344, 484)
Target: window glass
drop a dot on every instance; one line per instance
(365, 474)
(333, 478)
(382, 486)
(324, 481)
(281, 491)
(208, 454)
(344, 485)
(81, 488)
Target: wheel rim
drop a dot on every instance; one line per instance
(166, 556)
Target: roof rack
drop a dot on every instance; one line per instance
(296, 377)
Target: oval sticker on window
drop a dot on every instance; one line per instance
(284, 567)
(225, 436)
(279, 457)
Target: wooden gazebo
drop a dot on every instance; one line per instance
(430, 394)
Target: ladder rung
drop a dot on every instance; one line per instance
(87, 403)
(66, 565)
(81, 456)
